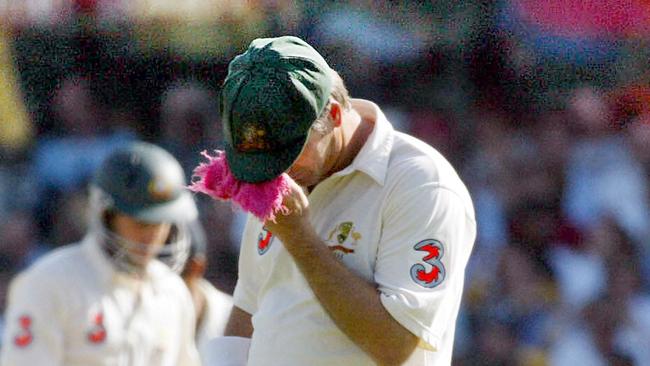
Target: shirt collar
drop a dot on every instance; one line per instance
(97, 258)
(373, 157)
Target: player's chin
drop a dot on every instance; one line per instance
(307, 183)
(304, 178)
(297, 177)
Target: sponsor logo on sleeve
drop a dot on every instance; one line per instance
(97, 332)
(24, 337)
(264, 241)
(434, 274)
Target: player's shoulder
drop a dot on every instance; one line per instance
(419, 159)
(164, 278)
(215, 296)
(169, 283)
(160, 272)
(414, 163)
(54, 265)
(253, 225)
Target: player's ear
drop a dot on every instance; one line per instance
(335, 113)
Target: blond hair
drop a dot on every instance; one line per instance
(323, 123)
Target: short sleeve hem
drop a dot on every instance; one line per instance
(242, 298)
(428, 340)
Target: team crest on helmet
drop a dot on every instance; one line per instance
(343, 239)
(24, 337)
(419, 273)
(160, 190)
(264, 241)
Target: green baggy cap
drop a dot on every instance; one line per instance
(273, 93)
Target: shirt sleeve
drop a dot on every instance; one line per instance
(34, 328)
(427, 235)
(217, 309)
(245, 294)
(188, 353)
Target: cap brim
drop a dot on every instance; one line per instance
(256, 167)
(182, 209)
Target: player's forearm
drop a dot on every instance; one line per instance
(239, 324)
(352, 303)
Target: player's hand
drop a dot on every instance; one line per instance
(296, 221)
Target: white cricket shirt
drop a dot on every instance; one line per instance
(218, 306)
(400, 217)
(72, 308)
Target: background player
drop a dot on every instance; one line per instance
(212, 305)
(106, 299)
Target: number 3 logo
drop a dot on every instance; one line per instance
(264, 241)
(24, 336)
(436, 275)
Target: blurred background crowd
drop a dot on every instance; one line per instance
(542, 106)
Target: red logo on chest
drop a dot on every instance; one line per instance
(97, 333)
(24, 337)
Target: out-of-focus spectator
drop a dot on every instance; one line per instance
(581, 272)
(610, 331)
(533, 228)
(574, 32)
(518, 306)
(189, 122)
(202, 28)
(35, 13)
(639, 136)
(436, 129)
(591, 339)
(19, 245)
(604, 283)
(525, 296)
(626, 289)
(64, 162)
(17, 187)
(487, 172)
(603, 176)
(68, 218)
(496, 342)
(189, 125)
(553, 142)
(631, 106)
(370, 33)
